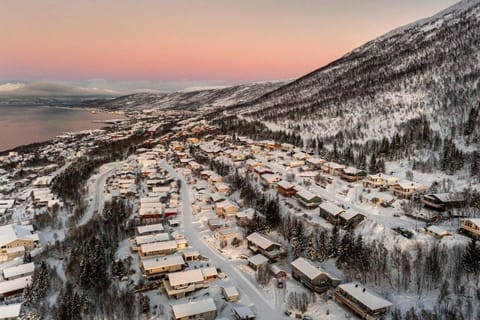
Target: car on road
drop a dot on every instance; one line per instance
(404, 232)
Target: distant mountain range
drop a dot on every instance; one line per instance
(189, 99)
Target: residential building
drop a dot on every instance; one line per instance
(361, 301)
(156, 267)
(19, 271)
(443, 201)
(471, 227)
(10, 311)
(258, 243)
(379, 180)
(312, 276)
(352, 174)
(15, 239)
(230, 294)
(286, 189)
(257, 262)
(200, 309)
(308, 199)
(408, 189)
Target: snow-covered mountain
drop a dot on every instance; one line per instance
(431, 68)
(192, 99)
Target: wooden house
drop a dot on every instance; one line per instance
(258, 243)
(436, 232)
(226, 209)
(379, 180)
(315, 163)
(15, 238)
(19, 271)
(230, 294)
(286, 189)
(443, 201)
(352, 174)
(199, 309)
(361, 301)
(471, 227)
(312, 276)
(243, 313)
(257, 262)
(333, 168)
(331, 211)
(157, 249)
(12, 287)
(156, 267)
(408, 189)
(307, 199)
(10, 311)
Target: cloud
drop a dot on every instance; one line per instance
(52, 89)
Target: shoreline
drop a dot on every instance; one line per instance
(93, 124)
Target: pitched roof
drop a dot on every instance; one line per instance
(307, 268)
(10, 311)
(368, 299)
(12, 232)
(19, 270)
(331, 208)
(167, 261)
(193, 308)
(260, 240)
(157, 246)
(185, 277)
(258, 259)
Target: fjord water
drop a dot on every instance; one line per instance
(25, 124)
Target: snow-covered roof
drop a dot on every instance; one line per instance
(307, 268)
(188, 309)
(475, 221)
(258, 259)
(448, 197)
(167, 261)
(190, 253)
(349, 214)
(244, 312)
(331, 208)
(185, 277)
(225, 204)
(12, 232)
(352, 170)
(217, 197)
(285, 185)
(438, 230)
(231, 291)
(209, 272)
(334, 165)
(150, 228)
(16, 271)
(158, 237)
(365, 297)
(260, 240)
(159, 246)
(10, 311)
(14, 285)
(305, 194)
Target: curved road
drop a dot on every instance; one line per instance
(263, 307)
(96, 189)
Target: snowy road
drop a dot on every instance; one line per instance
(96, 185)
(263, 307)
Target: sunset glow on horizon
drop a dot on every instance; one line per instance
(195, 40)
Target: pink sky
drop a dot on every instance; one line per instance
(156, 40)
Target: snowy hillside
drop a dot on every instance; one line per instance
(430, 68)
(191, 99)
